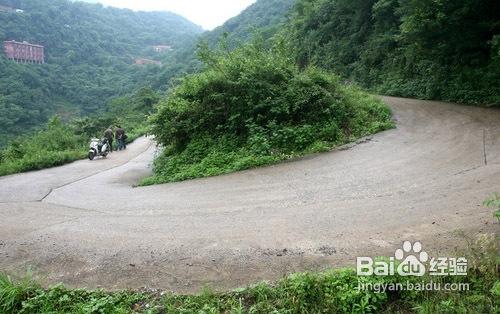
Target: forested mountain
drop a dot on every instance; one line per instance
(90, 52)
(431, 49)
(264, 16)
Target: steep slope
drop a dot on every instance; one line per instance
(264, 16)
(448, 50)
(90, 51)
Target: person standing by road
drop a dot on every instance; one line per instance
(121, 137)
(108, 134)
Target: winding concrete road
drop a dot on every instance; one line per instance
(85, 225)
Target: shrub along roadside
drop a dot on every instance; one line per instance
(252, 107)
(334, 291)
(55, 145)
(60, 143)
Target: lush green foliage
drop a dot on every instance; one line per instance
(253, 106)
(432, 49)
(59, 143)
(329, 292)
(334, 291)
(90, 52)
(494, 202)
(12, 295)
(55, 145)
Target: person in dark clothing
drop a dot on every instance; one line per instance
(108, 134)
(120, 138)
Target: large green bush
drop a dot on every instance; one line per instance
(253, 106)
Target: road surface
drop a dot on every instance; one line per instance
(84, 224)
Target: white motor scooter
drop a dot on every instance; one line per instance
(98, 147)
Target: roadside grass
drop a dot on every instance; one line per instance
(59, 143)
(55, 145)
(332, 291)
(494, 203)
(51, 147)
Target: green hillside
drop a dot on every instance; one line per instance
(264, 16)
(90, 52)
(448, 50)
(428, 49)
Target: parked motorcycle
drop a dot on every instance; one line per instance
(98, 147)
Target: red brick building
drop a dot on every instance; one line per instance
(24, 52)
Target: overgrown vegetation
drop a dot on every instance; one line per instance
(90, 52)
(430, 49)
(55, 145)
(59, 143)
(334, 291)
(253, 106)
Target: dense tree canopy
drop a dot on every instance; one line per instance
(434, 49)
(90, 51)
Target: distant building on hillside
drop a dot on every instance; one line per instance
(141, 61)
(162, 48)
(4, 8)
(24, 52)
